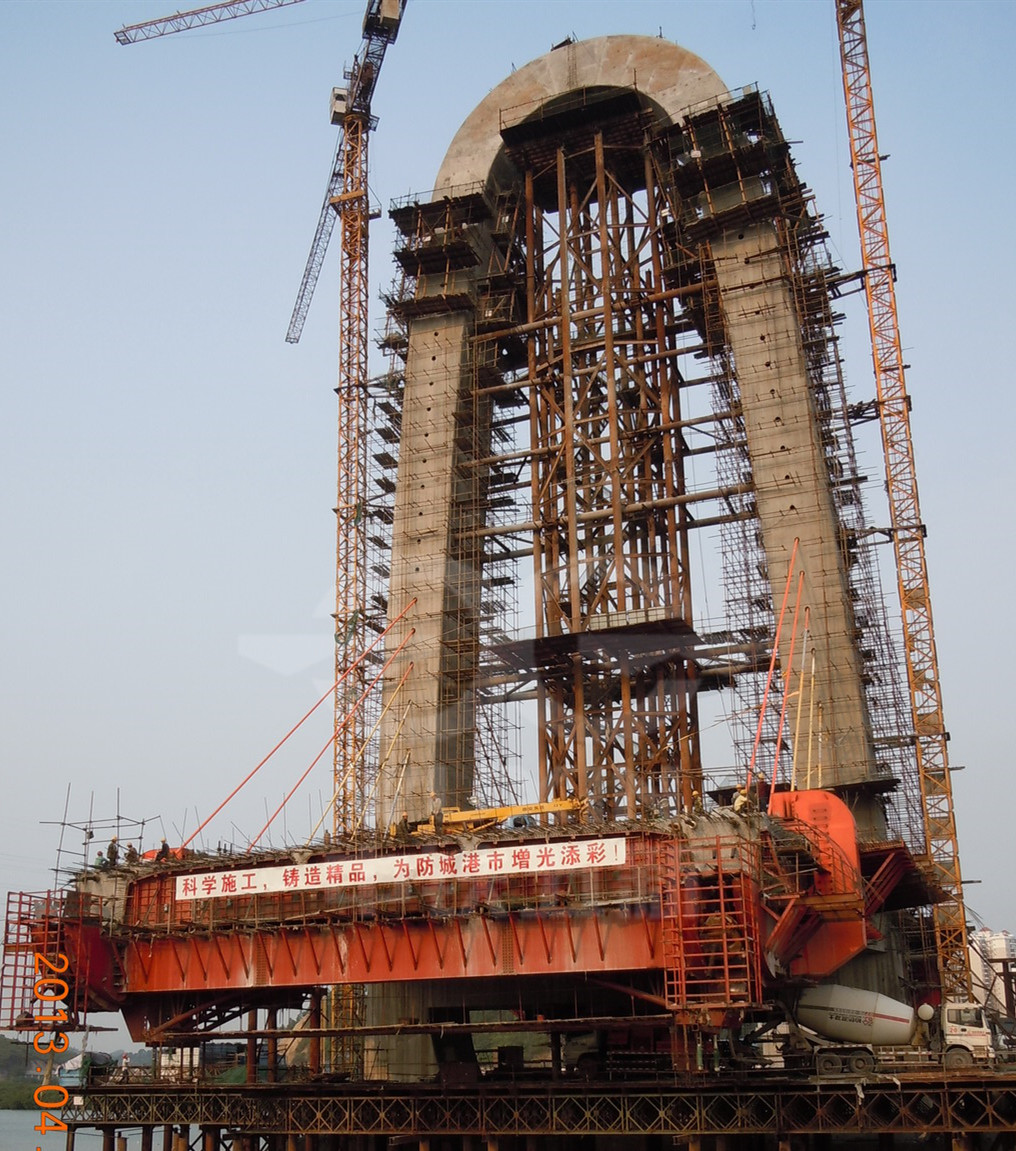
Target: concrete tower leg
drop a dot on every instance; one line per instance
(792, 487)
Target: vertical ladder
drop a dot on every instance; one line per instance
(674, 989)
(709, 923)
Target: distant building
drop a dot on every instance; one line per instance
(988, 949)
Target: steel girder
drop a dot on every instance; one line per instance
(458, 948)
(918, 1105)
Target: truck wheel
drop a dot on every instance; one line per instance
(828, 1063)
(861, 1062)
(958, 1057)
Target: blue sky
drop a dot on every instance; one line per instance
(168, 461)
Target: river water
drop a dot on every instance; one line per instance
(17, 1133)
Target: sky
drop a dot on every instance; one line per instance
(168, 462)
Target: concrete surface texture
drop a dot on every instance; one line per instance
(670, 78)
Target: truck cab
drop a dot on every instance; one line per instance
(966, 1036)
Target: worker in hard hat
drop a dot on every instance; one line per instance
(741, 801)
(696, 804)
(163, 853)
(113, 852)
(131, 854)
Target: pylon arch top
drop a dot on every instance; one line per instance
(669, 78)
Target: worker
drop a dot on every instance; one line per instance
(403, 826)
(131, 855)
(101, 862)
(163, 853)
(696, 804)
(741, 801)
(113, 852)
(436, 812)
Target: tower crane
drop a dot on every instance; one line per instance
(908, 531)
(346, 198)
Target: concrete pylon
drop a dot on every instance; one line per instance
(443, 430)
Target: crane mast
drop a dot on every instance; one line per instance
(351, 111)
(908, 531)
(347, 200)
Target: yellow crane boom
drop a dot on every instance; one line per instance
(468, 819)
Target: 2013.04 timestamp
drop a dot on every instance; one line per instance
(50, 990)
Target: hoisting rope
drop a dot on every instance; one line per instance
(772, 666)
(255, 770)
(359, 755)
(800, 699)
(340, 727)
(377, 778)
(349, 670)
(786, 694)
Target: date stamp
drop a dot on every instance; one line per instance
(50, 990)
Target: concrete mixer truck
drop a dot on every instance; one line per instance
(836, 1030)
(829, 1030)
